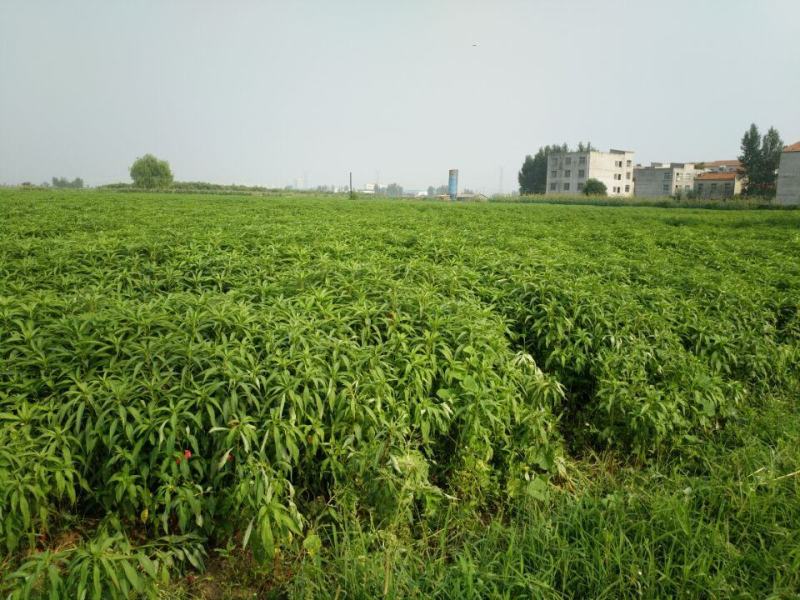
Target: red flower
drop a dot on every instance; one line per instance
(187, 454)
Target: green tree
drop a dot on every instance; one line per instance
(760, 159)
(150, 172)
(594, 187)
(394, 190)
(751, 158)
(771, 149)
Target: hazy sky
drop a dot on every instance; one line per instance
(277, 92)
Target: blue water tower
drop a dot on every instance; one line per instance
(452, 184)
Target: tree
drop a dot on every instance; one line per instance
(150, 172)
(751, 158)
(760, 158)
(594, 187)
(63, 182)
(394, 190)
(771, 149)
(431, 191)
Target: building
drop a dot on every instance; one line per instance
(664, 179)
(789, 175)
(567, 172)
(717, 185)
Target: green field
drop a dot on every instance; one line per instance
(206, 396)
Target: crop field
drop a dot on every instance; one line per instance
(208, 396)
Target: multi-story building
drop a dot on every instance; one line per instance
(717, 185)
(567, 172)
(664, 179)
(789, 175)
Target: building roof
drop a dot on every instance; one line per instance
(716, 176)
(722, 163)
(793, 148)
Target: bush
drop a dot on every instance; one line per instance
(594, 187)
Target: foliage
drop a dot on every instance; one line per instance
(594, 187)
(63, 182)
(394, 190)
(186, 372)
(760, 159)
(150, 172)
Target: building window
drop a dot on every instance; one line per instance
(552, 187)
(618, 176)
(629, 163)
(580, 187)
(568, 160)
(581, 160)
(665, 187)
(667, 175)
(567, 173)
(566, 187)
(687, 187)
(553, 173)
(581, 173)
(618, 163)
(627, 188)
(727, 189)
(699, 188)
(713, 187)
(628, 175)
(677, 175)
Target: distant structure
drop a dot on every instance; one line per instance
(789, 175)
(723, 166)
(664, 179)
(452, 183)
(718, 185)
(567, 172)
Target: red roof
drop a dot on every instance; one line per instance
(716, 176)
(792, 148)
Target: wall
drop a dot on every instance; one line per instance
(789, 178)
(650, 181)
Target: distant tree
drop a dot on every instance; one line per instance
(533, 174)
(530, 178)
(760, 159)
(150, 172)
(594, 187)
(63, 182)
(586, 148)
(394, 190)
(771, 149)
(751, 158)
(431, 190)
(442, 190)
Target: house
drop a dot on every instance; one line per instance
(567, 172)
(789, 175)
(664, 179)
(717, 185)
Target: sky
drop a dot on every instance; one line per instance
(302, 92)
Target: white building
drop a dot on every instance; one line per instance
(567, 172)
(664, 179)
(789, 175)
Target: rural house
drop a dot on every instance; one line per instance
(567, 172)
